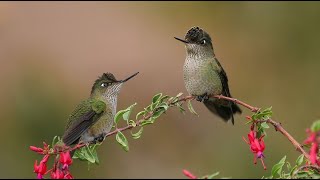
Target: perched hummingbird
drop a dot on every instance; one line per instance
(92, 119)
(204, 76)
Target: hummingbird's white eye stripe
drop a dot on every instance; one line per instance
(102, 85)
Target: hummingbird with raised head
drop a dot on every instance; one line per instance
(204, 76)
(93, 118)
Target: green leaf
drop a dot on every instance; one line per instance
(265, 114)
(143, 123)
(95, 154)
(87, 153)
(191, 108)
(315, 126)
(118, 115)
(299, 161)
(126, 115)
(302, 174)
(132, 123)
(156, 97)
(164, 105)
(139, 114)
(293, 169)
(181, 109)
(157, 113)
(277, 168)
(163, 98)
(154, 105)
(288, 166)
(138, 134)
(122, 140)
(264, 125)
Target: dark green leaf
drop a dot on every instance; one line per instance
(163, 98)
(122, 140)
(302, 174)
(156, 98)
(158, 113)
(163, 105)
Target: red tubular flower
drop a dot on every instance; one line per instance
(313, 153)
(41, 169)
(189, 174)
(65, 159)
(257, 146)
(58, 174)
(36, 149)
(312, 139)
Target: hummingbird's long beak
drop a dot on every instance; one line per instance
(122, 81)
(184, 41)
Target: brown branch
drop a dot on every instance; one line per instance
(295, 143)
(277, 125)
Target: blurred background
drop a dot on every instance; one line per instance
(51, 53)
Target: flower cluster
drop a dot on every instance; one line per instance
(257, 145)
(60, 168)
(314, 142)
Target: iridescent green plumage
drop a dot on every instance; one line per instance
(93, 117)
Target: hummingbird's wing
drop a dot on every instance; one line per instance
(224, 111)
(81, 119)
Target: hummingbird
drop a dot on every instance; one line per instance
(204, 76)
(92, 119)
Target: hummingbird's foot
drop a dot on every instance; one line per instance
(100, 138)
(202, 98)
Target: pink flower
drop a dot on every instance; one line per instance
(313, 153)
(36, 149)
(65, 159)
(314, 147)
(58, 174)
(257, 146)
(41, 169)
(189, 174)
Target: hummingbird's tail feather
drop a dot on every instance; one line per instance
(224, 110)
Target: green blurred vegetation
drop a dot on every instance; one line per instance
(51, 52)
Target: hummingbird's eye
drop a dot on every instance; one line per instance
(203, 41)
(106, 84)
